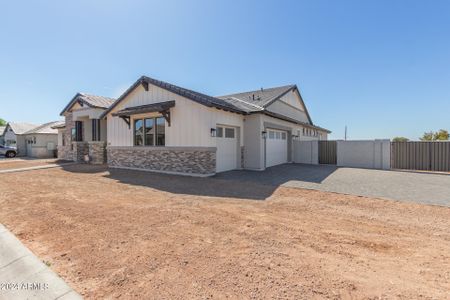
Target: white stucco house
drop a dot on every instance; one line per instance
(14, 136)
(158, 126)
(32, 140)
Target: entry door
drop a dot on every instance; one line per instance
(276, 147)
(226, 157)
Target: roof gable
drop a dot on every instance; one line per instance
(189, 94)
(92, 101)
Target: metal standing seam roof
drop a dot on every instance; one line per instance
(90, 100)
(46, 128)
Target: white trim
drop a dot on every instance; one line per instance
(163, 172)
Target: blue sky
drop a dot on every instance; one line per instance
(380, 67)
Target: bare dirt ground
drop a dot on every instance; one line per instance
(5, 164)
(139, 235)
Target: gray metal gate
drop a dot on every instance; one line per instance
(328, 152)
(428, 156)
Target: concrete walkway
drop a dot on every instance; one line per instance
(24, 276)
(36, 168)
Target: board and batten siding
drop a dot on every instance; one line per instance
(190, 125)
(291, 106)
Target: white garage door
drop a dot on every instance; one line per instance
(226, 157)
(276, 147)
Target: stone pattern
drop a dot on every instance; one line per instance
(160, 159)
(97, 153)
(66, 152)
(80, 149)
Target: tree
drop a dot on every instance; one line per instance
(441, 135)
(2, 122)
(400, 139)
(427, 136)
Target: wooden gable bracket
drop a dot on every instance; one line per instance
(126, 119)
(166, 115)
(145, 85)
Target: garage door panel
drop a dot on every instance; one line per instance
(276, 147)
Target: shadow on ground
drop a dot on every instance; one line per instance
(243, 184)
(281, 174)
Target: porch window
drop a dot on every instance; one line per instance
(77, 132)
(150, 132)
(95, 130)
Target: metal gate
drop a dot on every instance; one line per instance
(327, 152)
(428, 156)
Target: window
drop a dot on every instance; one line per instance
(229, 133)
(95, 129)
(150, 132)
(160, 131)
(303, 131)
(283, 135)
(77, 132)
(278, 135)
(138, 133)
(271, 135)
(219, 132)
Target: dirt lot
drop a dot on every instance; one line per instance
(6, 164)
(139, 235)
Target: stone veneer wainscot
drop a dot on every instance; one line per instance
(183, 160)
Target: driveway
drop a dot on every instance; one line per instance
(422, 188)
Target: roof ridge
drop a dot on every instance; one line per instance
(263, 90)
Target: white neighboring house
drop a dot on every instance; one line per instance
(2, 138)
(157, 126)
(14, 136)
(42, 141)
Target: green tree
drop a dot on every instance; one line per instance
(400, 139)
(2, 122)
(441, 135)
(427, 136)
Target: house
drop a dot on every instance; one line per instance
(2, 138)
(84, 132)
(158, 126)
(41, 141)
(14, 136)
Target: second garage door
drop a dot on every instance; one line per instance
(276, 147)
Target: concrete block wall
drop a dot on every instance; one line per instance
(305, 152)
(371, 154)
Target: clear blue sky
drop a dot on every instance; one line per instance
(380, 67)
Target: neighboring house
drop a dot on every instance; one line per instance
(2, 138)
(157, 126)
(14, 136)
(41, 141)
(83, 130)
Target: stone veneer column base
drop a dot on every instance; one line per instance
(80, 149)
(97, 153)
(194, 161)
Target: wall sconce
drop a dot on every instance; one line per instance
(213, 132)
(264, 134)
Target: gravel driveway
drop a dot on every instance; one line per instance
(423, 188)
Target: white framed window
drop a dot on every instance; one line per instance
(229, 133)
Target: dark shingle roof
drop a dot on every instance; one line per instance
(90, 100)
(243, 103)
(259, 99)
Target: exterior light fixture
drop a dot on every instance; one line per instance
(213, 132)
(264, 134)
